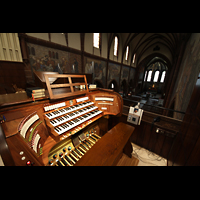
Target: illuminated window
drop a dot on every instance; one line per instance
(145, 75)
(163, 77)
(149, 76)
(127, 52)
(116, 46)
(134, 58)
(96, 40)
(112, 85)
(156, 76)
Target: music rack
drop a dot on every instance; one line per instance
(62, 90)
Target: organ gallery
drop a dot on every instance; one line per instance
(99, 99)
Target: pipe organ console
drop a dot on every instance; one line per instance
(56, 132)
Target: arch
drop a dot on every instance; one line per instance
(146, 41)
(142, 66)
(149, 45)
(158, 67)
(146, 61)
(116, 87)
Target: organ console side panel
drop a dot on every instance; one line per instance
(111, 103)
(58, 132)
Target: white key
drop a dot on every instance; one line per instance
(72, 108)
(77, 123)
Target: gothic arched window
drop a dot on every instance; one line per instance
(156, 75)
(127, 53)
(163, 77)
(96, 39)
(149, 76)
(116, 45)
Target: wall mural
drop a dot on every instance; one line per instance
(113, 73)
(124, 76)
(48, 59)
(97, 68)
(132, 74)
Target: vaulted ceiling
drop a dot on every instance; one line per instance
(145, 44)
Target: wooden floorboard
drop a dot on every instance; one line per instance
(126, 161)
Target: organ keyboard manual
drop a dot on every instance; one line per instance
(64, 128)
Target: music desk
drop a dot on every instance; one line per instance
(108, 150)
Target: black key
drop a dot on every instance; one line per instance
(93, 138)
(65, 125)
(75, 153)
(68, 159)
(64, 162)
(82, 150)
(78, 151)
(49, 114)
(65, 116)
(57, 129)
(88, 142)
(58, 119)
(59, 163)
(83, 147)
(72, 158)
(71, 123)
(75, 120)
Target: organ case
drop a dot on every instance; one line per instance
(58, 132)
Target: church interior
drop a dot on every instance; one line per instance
(66, 99)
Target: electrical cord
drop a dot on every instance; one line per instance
(147, 160)
(140, 158)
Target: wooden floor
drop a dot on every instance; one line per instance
(126, 161)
